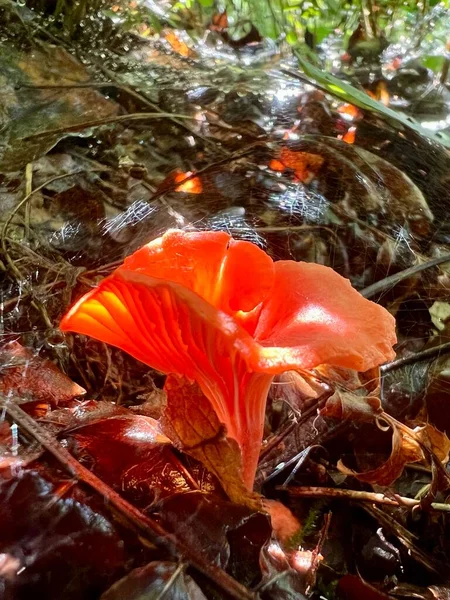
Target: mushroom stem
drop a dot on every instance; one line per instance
(241, 405)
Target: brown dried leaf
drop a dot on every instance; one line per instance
(359, 399)
(404, 450)
(32, 378)
(436, 441)
(347, 405)
(190, 422)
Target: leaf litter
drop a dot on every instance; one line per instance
(99, 157)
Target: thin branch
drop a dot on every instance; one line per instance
(417, 357)
(358, 496)
(392, 280)
(144, 525)
(106, 121)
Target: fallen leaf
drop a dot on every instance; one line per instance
(284, 524)
(130, 454)
(187, 183)
(304, 164)
(63, 547)
(190, 422)
(348, 405)
(34, 111)
(155, 580)
(350, 136)
(228, 535)
(34, 379)
(178, 45)
(404, 450)
(436, 441)
(356, 395)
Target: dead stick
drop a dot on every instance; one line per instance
(434, 352)
(146, 526)
(389, 282)
(106, 121)
(358, 496)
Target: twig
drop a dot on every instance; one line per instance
(277, 439)
(417, 357)
(106, 121)
(69, 86)
(389, 282)
(358, 496)
(144, 525)
(28, 190)
(180, 568)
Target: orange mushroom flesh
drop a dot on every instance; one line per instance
(220, 312)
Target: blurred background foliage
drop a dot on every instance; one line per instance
(310, 23)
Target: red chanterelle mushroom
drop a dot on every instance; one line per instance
(220, 312)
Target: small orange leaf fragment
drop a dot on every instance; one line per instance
(350, 110)
(304, 164)
(187, 183)
(276, 165)
(350, 136)
(177, 45)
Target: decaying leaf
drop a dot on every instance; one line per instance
(190, 422)
(433, 439)
(356, 395)
(227, 534)
(348, 405)
(34, 379)
(284, 524)
(153, 581)
(131, 454)
(33, 111)
(404, 450)
(53, 544)
(304, 164)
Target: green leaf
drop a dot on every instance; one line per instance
(350, 94)
(291, 38)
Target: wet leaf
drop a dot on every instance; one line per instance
(348, 93)
(153, 581)
(53, 546)
(229, 535)
(30, 110)
(351, 587)
(30, 378)
(190, 422)
(356, 395)
(131, 454)
(304, 164)
(404, 450)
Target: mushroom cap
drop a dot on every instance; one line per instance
(188, 290)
